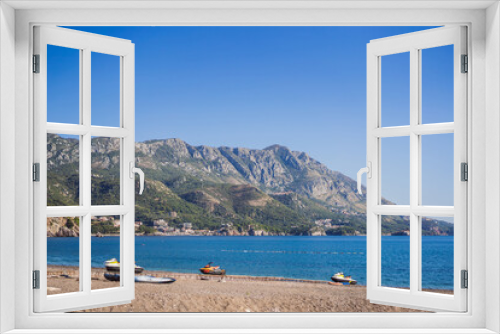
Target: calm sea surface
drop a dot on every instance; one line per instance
(316, 258)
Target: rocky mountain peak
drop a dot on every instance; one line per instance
(208, 186)
(276, 148)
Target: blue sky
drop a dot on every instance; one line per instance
(302, 87)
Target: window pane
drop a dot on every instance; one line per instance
(105, 90)
(63, 255)
(437, 254)
(63, 85)
(437, 169)
(395, 253)
(105, 251)
(437, 84)
(395, 170)
(395, 89)
(105, 171)
(63, 170)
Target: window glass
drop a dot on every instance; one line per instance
(106, 171)
(63, 170)
(105, 251)
(395, 257)
(395, 171)
(105, 90)
(437, 84)
(437, 169)
(63, 255)
(395, 89)
(437, 254)
(63, 85)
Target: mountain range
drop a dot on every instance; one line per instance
(230, 190)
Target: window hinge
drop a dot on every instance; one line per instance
(36, 63)
(465, 279)
(465, 64)
(464, 167)
(36, 172)
(36, 279)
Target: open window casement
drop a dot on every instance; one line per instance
(85, 138)
(417, 295)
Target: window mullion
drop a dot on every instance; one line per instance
(67, 129)
(85, 255)
(66, 211)
(85, 181)
(82, 271)
(414, 169)
(109, 210)
(392, 210)
(434, 129)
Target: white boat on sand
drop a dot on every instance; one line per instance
(153, 279)
(141, 279)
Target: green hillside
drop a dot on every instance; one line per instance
(275, 190)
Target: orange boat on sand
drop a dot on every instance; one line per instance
(212, 270)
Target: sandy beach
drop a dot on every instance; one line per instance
(191, 293)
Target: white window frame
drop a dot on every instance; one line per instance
(481, 17)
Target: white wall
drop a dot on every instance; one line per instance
(7, 160)
(185, 17)
(492, 163)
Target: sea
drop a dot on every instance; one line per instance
(295, 257)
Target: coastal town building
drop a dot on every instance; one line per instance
(160, 222)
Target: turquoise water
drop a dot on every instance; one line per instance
(316, 258)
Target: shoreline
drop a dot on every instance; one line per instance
(214, 235)
(98, 272)
(235, 236)
(72, 271)
(230, 293)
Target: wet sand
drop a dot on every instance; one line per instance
(192, 293)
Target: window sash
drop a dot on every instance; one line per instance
(86, 43)
(413, 43)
